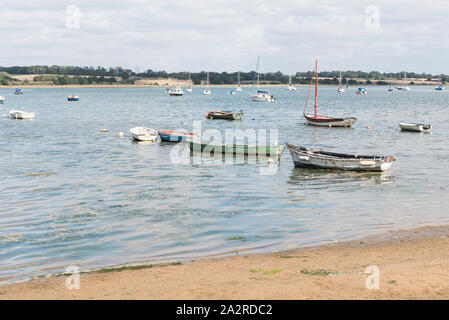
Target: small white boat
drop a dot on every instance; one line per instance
(143, 134)
(340, 87)
(189, 88)
(2, 99)
(262, 96)
(319, 159)
(22, 115)
(290, 86)
(415, 127)
(404, 87)
(391, 89)
(238, 88)
(207, 91)
(176, 92)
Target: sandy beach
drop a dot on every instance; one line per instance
(413, 264)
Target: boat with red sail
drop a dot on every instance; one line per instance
(317, 120)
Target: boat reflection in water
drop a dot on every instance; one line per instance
(323, 178)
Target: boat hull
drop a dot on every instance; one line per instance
(415, 127)
(174, 136)
(143, 134)
(245, 150)
(21, 115)
(329, 122)
(305, 158)
(73, 99)
(227, 116)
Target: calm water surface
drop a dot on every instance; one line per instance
(73, 195)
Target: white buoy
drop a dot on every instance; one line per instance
(4, 115)
(270, 160)
(120, 134)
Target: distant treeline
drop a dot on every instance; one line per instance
(100, 75)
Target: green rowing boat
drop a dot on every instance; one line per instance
(236, 149)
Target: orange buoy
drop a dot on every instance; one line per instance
(208, 116)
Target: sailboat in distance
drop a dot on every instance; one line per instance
(207, 91)
(238, 88)
(340, 87)
(290, 86)
(189, 88)
(261, 95)
(317, 120)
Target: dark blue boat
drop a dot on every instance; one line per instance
(175, 136)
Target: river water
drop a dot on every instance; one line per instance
(72, 195)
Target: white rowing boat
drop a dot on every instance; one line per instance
(22, 115)
(143, 134)
(415, 127)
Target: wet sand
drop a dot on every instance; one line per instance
(413, 264)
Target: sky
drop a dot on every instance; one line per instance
(213, 35)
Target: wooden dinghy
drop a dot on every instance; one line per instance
(238, 149)
(318, 159)
(324, 121)
(175, 136)
(226, 115)
(22, 115)
(143, 134)
(415, 127)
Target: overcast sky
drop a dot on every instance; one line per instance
(228, 35)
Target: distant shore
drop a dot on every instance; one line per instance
(412, 264)
(37, 86)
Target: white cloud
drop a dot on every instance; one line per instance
(227, 35)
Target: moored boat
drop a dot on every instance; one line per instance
(361, 91)
(176, 92)
(73, 97)
(319, 159)
(207, 91)
(22, 115)
(237, 149)
(340, 87)
(226, 115)
(415, 127)
(18, 91)
(2, 99)
(143, 134)
(324, 121)
(261, 95)
(175, 136)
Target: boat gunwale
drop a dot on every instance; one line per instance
(326, 155)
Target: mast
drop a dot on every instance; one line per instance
(340, 79)
(207, 79)
(238, 78)
(316, 87)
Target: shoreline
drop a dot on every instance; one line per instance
(40, 86)
(413, 264)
